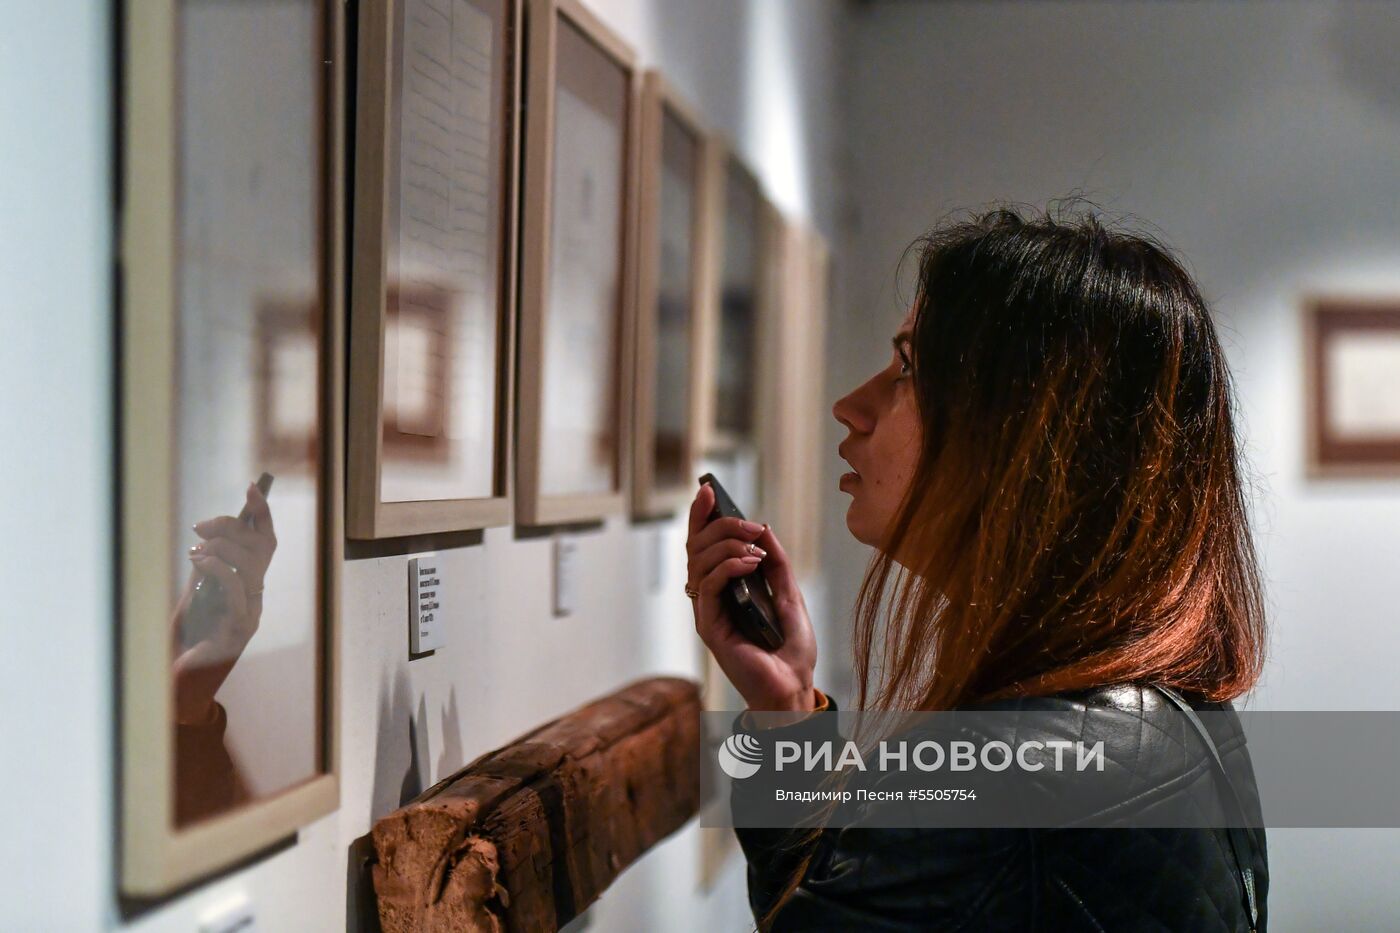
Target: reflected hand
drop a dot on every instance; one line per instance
(718, 551)
(237, 554)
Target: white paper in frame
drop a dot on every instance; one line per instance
(578, 249)
(432, 335)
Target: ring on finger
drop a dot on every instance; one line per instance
(691, 591)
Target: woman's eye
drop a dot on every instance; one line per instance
(905, 369)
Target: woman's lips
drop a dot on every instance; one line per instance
(850, 477)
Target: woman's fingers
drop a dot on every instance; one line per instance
(720, 529)
(225, 574)
(777, 569)
(709, 615)
(717, 553)
(259, 512)
(226, 526)
(727, 570)
(249, 564)
(700, 508)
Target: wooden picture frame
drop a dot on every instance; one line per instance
(740, 283)
(156, 855)
(403, 481)
(539, 501)
(667, 119)
(1352, 362)
(802, 260)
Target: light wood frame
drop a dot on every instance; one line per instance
(1323, 317)
(802, 261)
(660, 100)
(532, 507)
(367, 516)
(723, 159)
(155, 857)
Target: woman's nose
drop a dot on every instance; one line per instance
(851, 414)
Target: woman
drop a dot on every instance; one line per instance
(1047, 470)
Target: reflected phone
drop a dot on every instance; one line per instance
(747, 600)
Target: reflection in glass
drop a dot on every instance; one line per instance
(251, 240)
(735, 379)
(582, 317)
(680, 163)
(445, 226)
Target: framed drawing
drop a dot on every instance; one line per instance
(578, 247)
(671, 280)
(1353, 391)
(433, 287)
(737, 333)
(230, 368)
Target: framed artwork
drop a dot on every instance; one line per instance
(229, 371)
(671, 285)
(578, 248)
(1353, 386)
(802, 261)
(738, 335)
(433, 287)
(735, 406)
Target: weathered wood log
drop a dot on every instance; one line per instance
(527, 836)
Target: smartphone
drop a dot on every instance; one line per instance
(747, 600)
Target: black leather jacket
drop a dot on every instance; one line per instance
(975, 879)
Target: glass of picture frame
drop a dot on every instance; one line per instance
(433, 290)
(1353, 385)
(673, 256)
(229, 368)
(578, 247)
(738, 355)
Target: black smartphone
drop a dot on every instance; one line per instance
(747, 599)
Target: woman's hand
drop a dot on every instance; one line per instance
(725, 548)
(237, 554)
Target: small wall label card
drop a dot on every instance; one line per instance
(425, 604)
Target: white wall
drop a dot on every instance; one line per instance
(764, 72)
(1263, 139)
(55, 469)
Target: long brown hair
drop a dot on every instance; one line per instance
(1077, 516)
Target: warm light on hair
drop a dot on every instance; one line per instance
(1077, 517)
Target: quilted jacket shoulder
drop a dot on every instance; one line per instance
(1045, 879)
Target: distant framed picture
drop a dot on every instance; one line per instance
(1353, 393)
(672, 276)
(578, 249)
(230, 371)
(795, 449)
(735, 403)
(433, 288)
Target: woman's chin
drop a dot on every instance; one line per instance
(856, 527)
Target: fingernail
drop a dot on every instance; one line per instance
(755, 549)
(753, 526)
(196, 548)
(751, 558)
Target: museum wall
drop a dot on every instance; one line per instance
(1263, 139)
(764, 73)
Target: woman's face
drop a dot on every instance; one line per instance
(883, 446)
